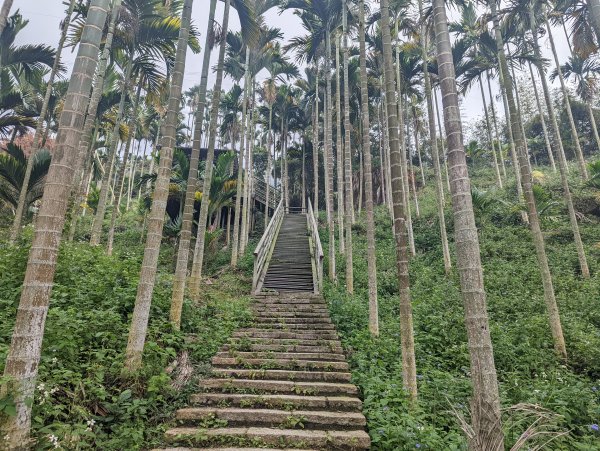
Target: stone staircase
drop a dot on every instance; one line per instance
(281, 384)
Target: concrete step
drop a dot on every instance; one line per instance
(274, 334)
(276, 314)
(324, 440)
(293, 326)
(240, 342)
(308, 308)
(280, 386)
(286, 375)
(292, 419)
(334, 403)
(327, 356)
(227, 449)
(241, 362)
(310, 348)
(276, 319)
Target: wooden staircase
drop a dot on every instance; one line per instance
(281, 384)
(290, 267)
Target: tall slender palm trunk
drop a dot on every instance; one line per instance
(444, 154)
(240, 176)
(496, 132)
(208, 169)
(156, 219)
(485, 404)
(96, 234)
(562, 162)
(542, 119)
(527, 184)
(409, 370)
(339, 146)
(24, 352)
(565, 91)
(329, 161)
(489, 133)
(120, 178)
(269, 165)
(439, 186)
(349, 192)
(183, 250)
(366, 144)
(315, 155)
(16, 226)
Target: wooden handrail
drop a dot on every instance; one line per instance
(317, 251)
(264, 248)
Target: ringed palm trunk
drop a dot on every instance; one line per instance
(121, 174)
(339, 145)
(269, 165)
(527, 182)
(489, 133)
(329, 162)
(366, 126)
(240, 177)
(496, 133)
(565, 91)
(485, 404)
(349, 207)
(444, 154)
(315, 155)
(4, 11)
(542, 119)
(439, 186)
(246, 207)
(101, 209)
(210, 157)
(16, 226)
(156, 219)
(24, 353)
(409, 370)
(562, 162)
(183, 250)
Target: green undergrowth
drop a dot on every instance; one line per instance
(80, 398)
(528, 371)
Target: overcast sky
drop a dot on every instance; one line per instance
(45, 15)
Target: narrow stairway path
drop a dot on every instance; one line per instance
(281, 384)
(290, 268)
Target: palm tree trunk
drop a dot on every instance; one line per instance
(542, 119)
(16, 226)
(240, 177)
(349, 192)
(565, 91)
(246, 229)
(444, 153)
(113, 155)
(496, 133)
(210, 156)
(409, 370)
(562, 161)
(526, 180)
(329, 161)
(485, 404)
(121, 174)
(23, 358)
(434, 148)
(366, 142)
(4, 11)
(411, 174)
(489, 133)
(594, 125)
(269, 165)
(316, 147)
(183, 251)
(303, 177)
(339, 146)
(156, 219)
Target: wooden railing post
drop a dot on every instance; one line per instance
(317, 249)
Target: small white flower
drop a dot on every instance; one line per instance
(41, 386)
(54, 360)
(6, 438)
(53, 390)
(91, 422)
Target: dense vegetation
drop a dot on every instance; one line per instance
(529, 374)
